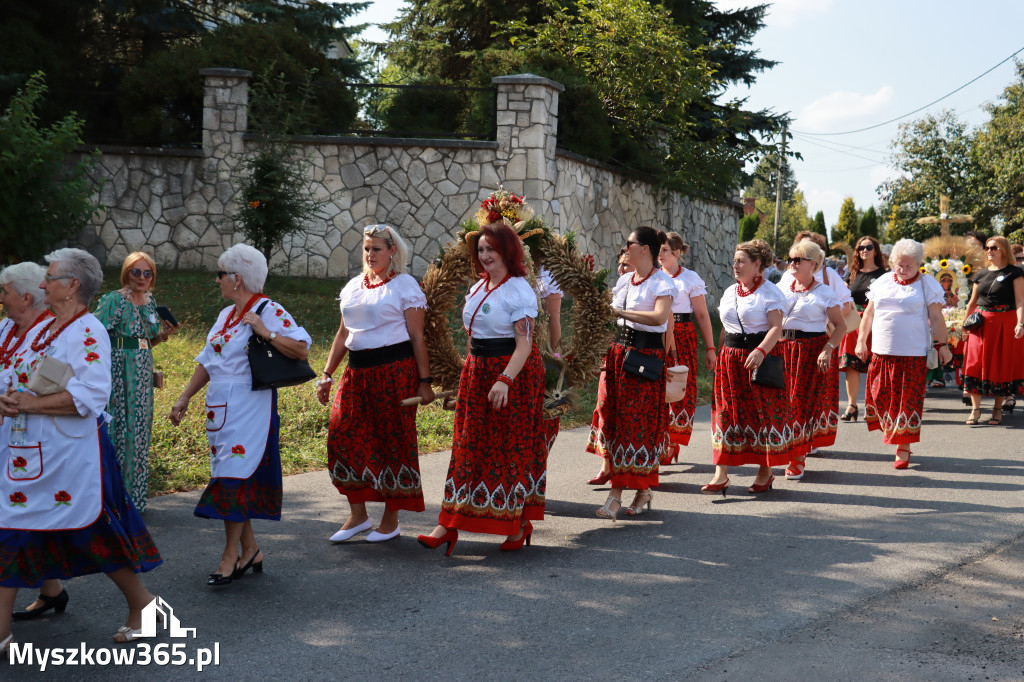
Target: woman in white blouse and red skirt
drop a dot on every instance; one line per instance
(750, 423)
(688, 307)
(497, 475)
(630, 426)
(901, 308)
(371, 442)
(807, 352)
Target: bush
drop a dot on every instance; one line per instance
(426, 110)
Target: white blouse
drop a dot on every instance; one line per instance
(809, 308)
(376, 317)
(835, 282)
(224, 355)
(900, 326)
(546, 284)
(688, 284)
(753, 309)
(642, 297)
(504, 306)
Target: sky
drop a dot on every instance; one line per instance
(851, 64)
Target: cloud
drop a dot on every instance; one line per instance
(828, 201)
(782, 13)
(843, 109)
(882, 173)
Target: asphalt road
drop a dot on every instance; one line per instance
(857, 572)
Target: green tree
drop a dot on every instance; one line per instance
(40, 197)
(764, 180)
(749, 225)
(794, 219)
(999, 149)
(868, 226)
(819, 224)
(846, 229)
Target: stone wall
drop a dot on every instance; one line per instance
(178, 204)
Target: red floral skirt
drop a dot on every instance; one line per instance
(848, 352)
(750, 423)
(994, 361)
(894, 397)
(498, 470)
(371, 444)
(814, 395)
(680, 413)
(630, 426)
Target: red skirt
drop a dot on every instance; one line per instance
(630, 426)
(498, 471)
(848, 352)
(750, 423)
(894, 398)
(814, 395)
(371, 442)
(680, 414)
(994, 362)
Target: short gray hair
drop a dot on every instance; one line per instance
(25, 278)
(81, 265)
(249, 263)
(906, 247)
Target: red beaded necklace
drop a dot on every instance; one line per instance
(36, 346)
(228, 324)
(904, 283)
(649, 274)
(792, 287)
(678, 273)
(742, 290)
(367, 285)
(487, 280)
(6, 352)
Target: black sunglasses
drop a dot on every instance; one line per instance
(630, 243)
(866, 247)
(145, 274)
(797, 260)
(222, 273)
(991, 248)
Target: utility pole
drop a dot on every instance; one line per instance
(778, 191)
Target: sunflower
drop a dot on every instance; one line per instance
(943, 263)
(967, 269)
(924, 270)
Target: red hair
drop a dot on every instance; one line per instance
(506, 242)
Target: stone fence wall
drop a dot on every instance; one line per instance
(178, 204)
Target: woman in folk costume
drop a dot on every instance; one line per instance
(688, 308)
(629, 430)
(242, 425)
(66, 512)
(371, 442)
(496, 478)
(807, 352)
(903, 314)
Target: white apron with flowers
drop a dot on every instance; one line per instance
(54, 481)
(237, 417)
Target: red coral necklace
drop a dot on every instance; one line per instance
(367, 285)
(36, 346)
(228, 324)
(743, 291)
(905, 282)
(6, 352)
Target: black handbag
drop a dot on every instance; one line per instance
(771, 373)
(973, 321)
(271, 368)
(643, 365)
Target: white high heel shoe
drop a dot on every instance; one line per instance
(642, 497)
(345, 534)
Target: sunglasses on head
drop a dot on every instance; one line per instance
(374, 230)
(866, 247)
(145, 274)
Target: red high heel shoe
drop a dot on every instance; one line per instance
(513, 545)
(712, 488)
(451, 536)
(762, 487)
(600, 479)
(902, 463)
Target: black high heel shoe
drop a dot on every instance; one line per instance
(851, 413)
(256, 567)
(58, 604)
(1009, 404)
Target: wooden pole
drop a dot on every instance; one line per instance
(778, 192)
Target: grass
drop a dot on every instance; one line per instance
(178, 456)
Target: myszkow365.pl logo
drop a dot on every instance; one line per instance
(158, 615)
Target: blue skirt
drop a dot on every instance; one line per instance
(117, 539)
(256, 497)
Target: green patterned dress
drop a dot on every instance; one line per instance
(131, 391)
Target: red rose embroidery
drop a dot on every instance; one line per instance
(210, 415)
(216, 348)
(92, 357)
(18, 500)
(90, 341)
(22, 378)
(287, 323)
(237, 451)
(62, 498)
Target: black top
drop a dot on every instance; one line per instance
(859, 285)
(995, 287)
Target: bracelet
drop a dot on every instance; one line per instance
(426, 380)
(710, 348)
(505, 379)
(325, 382)
(830, 345)
(758, 349)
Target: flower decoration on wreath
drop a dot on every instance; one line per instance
(950, 260)
(591, 317)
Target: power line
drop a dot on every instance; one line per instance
(838, 170)
(919, 109)
(869, 147)
(841, 151)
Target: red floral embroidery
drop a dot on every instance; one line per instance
(279, 312)
(210, 415)
(18, 499)
(62, 496)
(216, 348)
(98, 548)
(287, 323)
(238, 451)
(213, 449)
(92, 357)
(90, 341)
(22, 378)
(20, 464)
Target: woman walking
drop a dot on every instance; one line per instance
(868, 264)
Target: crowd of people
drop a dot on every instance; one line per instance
(76, 391)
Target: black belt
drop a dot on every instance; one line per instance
(743, 340)
(491, 348)
(638, 338)
(375, 357)
(681, 317)
(800, 334)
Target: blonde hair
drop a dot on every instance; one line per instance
(809, 250)
(391, 238)
(130, 260)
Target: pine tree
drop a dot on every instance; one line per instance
(748, 226)
(869, 223)
(846, 229)
(819, 224)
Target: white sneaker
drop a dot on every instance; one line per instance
(384, 537)
(343, 535)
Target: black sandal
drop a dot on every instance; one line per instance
(851, 413)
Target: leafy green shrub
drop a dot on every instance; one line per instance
(426, 110)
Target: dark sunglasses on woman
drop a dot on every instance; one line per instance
(866, 247)
(145, 274)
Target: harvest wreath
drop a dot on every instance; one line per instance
(592, 318)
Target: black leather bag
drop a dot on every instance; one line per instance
(642, 365)
(771, 372)
(973, 321)
(271, 368)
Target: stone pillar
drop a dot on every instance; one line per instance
(225, 118)
(527, 118)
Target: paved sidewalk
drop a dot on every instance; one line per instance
(857, 572)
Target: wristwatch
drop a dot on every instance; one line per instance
(273, 335)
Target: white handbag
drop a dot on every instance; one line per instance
(50, 376)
